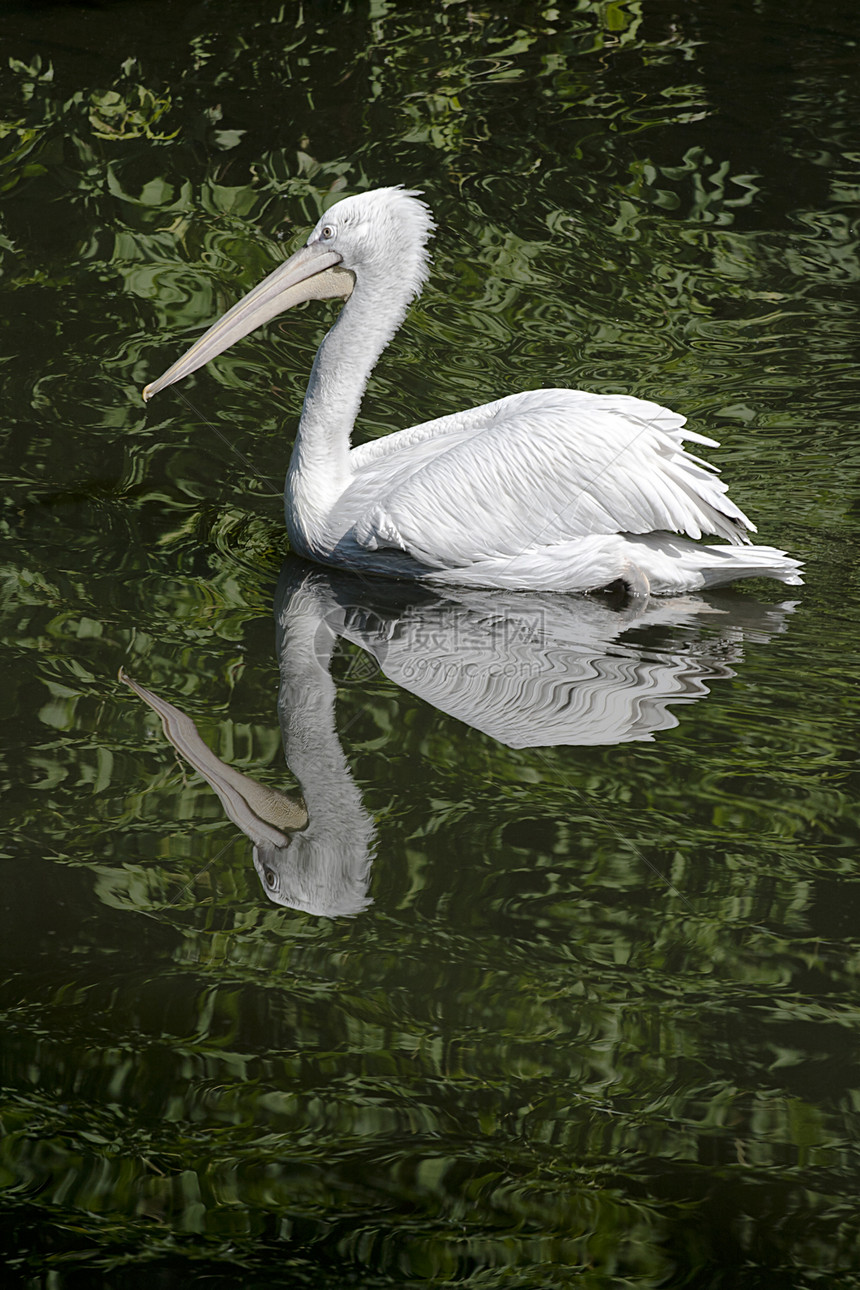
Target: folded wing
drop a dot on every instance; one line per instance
(533, 470)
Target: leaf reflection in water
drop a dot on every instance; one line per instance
(529, 670)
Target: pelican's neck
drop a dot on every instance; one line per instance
(329, 862)
(319, 468)
(306, 706)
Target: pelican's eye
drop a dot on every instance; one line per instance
(327, 233)
(271, 879)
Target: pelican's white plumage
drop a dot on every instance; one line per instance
(549, 489)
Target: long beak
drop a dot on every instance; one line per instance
(311, 274)
(261, 812)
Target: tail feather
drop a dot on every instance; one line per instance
(721, 564)
(674, 564)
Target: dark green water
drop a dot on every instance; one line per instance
(596, 1022)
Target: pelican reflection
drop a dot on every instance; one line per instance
(527, 669)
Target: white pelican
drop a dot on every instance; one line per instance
(555, 490)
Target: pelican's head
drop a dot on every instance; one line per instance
(374, 237)
(382, 233)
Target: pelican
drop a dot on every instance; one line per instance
(546, 490)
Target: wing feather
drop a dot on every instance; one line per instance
(469, 422)
(535, 469)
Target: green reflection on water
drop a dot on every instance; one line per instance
(599, 1025)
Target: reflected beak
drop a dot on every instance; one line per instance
(311, 274)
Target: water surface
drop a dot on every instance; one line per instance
(593, 1017)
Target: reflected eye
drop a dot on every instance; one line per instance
(327, 233)
(271, 878)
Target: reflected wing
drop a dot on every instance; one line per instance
(531, 669)
(542, 672)
(533, 470)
